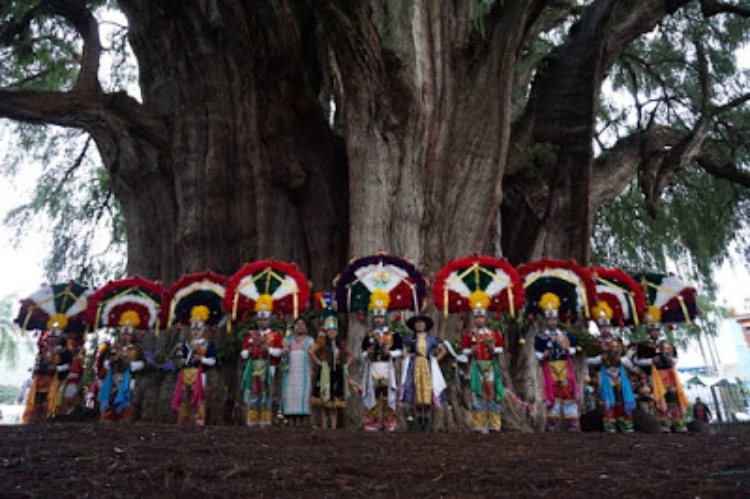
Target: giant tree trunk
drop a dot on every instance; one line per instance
(248, 167)
(318, 130)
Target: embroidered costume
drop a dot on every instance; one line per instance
(658, 358)
(263, 287)
(131, 306)
(422, 382)
(196, 356)
(194, 303)
(122, 361)
(482, 346)
(555, 348)
(50, 371)
(331, 388)
(481, 284)
(59, 310)
(380, 348)
(262, 349)
(607, 357)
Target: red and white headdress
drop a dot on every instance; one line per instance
(132, 302)
(478, 284)
(266, 286)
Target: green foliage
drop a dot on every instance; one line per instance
(42, 52)
(700, 217)
(703, 219)
(8, 394)
(8, 341)
(73, 199)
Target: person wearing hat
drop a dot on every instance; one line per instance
(262, 348)
(380, 347)
(422, 382)
(609, 364)
(483, 346)
(195, 357)
(657, 358)
(122, 361)
(331, 389)
(554, 348)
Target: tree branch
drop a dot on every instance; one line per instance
(110, 114)
(736, 102)
(728, 171)
(703, 76)
(82, 19)
(73, 167)
(56, 108)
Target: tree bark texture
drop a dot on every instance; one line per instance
(318, 130)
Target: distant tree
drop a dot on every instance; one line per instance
(8, 331)
(8, 394)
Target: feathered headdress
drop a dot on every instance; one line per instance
(478, 283)
(195, 298)
(571, 284)
(378, 283)
(59, 306)
(267, 286)
(132, 302)
(676, 300)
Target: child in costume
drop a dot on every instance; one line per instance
(422, 382)
(380, 347)
(608, 356)
(482, 346)
(555, 348)
(658, 358)
(195, 357)
(333, 356)
(262, 348)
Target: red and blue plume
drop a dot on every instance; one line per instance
(325, 303)
(397, 283)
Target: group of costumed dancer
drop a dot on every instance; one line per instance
(288, 372)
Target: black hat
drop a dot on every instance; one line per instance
(412, 322)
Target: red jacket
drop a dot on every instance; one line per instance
(479, 343)
(259, 345)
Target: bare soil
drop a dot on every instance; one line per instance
(149, 460)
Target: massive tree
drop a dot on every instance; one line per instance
(316, 130)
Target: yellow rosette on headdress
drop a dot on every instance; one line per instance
(550, 304)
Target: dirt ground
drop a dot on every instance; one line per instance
(148, 460)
